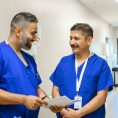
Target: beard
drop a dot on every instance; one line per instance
(25, 42)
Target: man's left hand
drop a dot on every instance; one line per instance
(70, 114)
(56, 109)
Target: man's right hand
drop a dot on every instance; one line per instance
(33, 102)
(63, 111)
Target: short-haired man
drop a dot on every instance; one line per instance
(82, 76)
(19, 80)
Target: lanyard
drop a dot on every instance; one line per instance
(78, 81)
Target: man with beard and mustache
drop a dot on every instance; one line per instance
(20, 91)
(82, 76)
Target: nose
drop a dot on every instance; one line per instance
(72, 41)
(36, 38)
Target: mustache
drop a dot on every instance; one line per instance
(74, 46)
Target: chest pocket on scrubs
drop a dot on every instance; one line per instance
(90, 83)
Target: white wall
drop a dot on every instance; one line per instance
(55, 19)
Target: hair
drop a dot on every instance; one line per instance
(20, 19)
(85, 28)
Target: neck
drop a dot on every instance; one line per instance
(83, 55)
(12, 42)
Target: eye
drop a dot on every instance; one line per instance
(76, 38)
(34, 33)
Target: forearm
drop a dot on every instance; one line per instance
(55, 92)
(42, 94)
(7, 98)
(93, 105)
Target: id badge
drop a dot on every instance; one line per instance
(78, 104)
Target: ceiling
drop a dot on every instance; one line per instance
(106, 9)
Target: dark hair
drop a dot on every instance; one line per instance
(21, 18)
(86, 29)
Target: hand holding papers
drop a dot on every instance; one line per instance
(61, 101)
(57, 104)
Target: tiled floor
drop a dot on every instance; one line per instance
(112, 104)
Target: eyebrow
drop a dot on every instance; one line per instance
(74, 37)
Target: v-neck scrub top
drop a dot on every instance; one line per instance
(97, 77)
(17, 78)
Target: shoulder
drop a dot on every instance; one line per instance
(67, 58)
(3, 48)
(3, 45)
(99, 59)
(100, 62)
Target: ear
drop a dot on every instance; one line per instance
(18, 31)
(89, 40)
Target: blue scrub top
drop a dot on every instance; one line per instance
(16, 78)
(97, 77)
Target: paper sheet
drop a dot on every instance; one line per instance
(60, 101)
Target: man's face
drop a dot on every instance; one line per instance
(28, 35)
(78, 42)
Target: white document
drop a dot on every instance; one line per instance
(60, 101)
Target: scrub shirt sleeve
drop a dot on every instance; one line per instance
(57, 76)
(105, 80)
